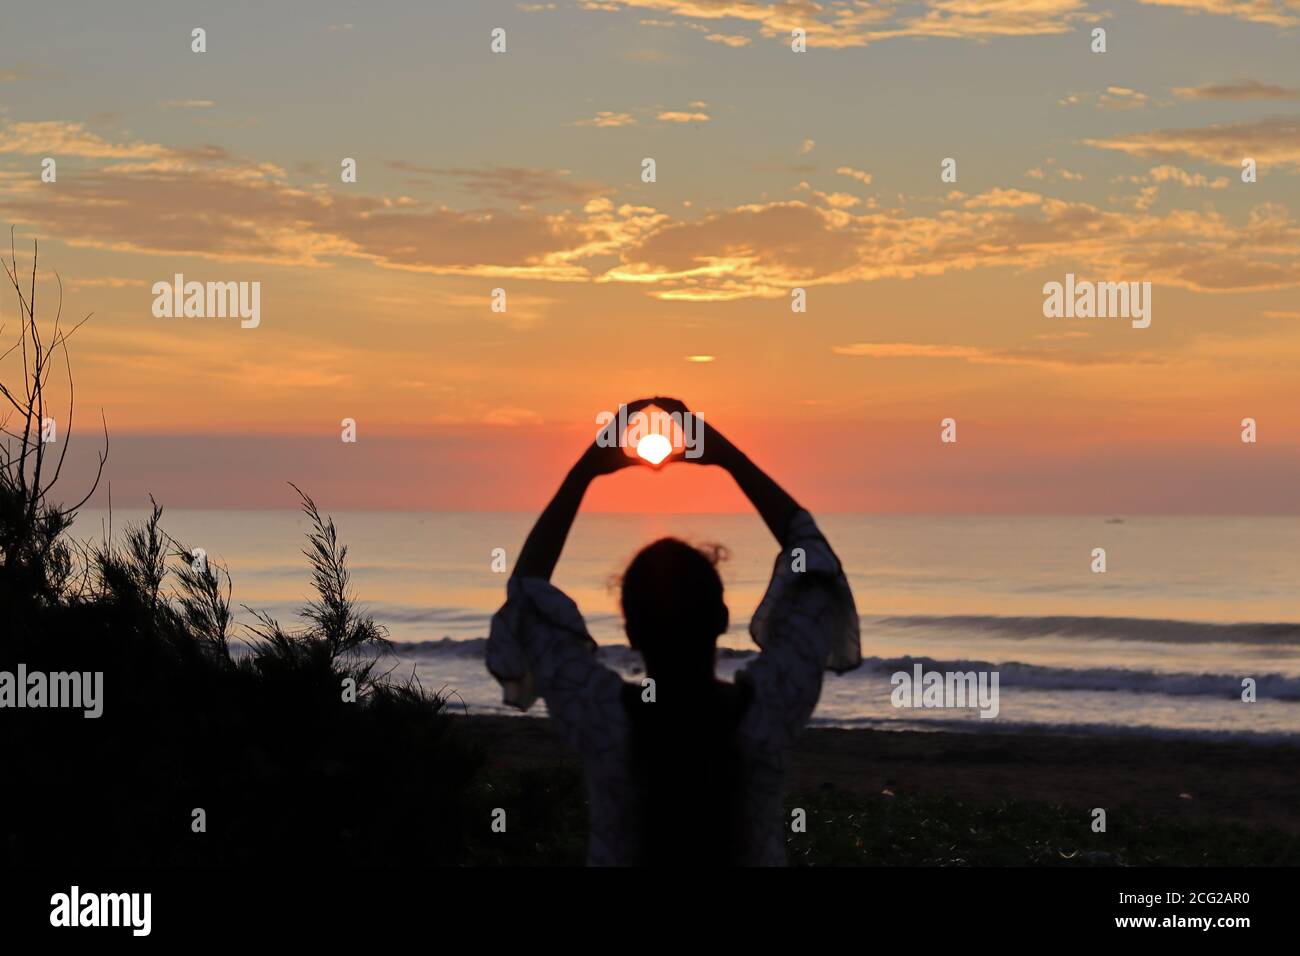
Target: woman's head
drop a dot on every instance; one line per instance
(672, 605)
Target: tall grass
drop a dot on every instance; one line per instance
(293, 748)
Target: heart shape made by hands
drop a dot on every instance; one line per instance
(654, 448)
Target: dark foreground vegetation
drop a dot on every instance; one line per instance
(294, 750)
(298, 750)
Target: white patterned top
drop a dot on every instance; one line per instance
(807, 622)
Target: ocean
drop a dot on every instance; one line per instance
(1159, 644)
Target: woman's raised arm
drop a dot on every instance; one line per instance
(772, 502)
(541, 550)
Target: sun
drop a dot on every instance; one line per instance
(654, 448)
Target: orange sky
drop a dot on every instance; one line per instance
(775, 171)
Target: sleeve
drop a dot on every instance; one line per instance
(807, 623)
(538, 646)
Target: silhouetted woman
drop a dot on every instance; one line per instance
(693, 773)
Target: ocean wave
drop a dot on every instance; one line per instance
(1036, 677)
(1010, 674)
(1149, 630)
(1156, 630)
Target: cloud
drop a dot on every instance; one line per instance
(807, 147)
(860, 175)
(212, 205)
(1237, 90)
(204, 202)
(1278, 13)
(58, 139)
(1121, 98)
(1050, 171)
(108, 282)
(519, 183)
(670, 116)
(1112, 98)
(727, 39)
(845, 25)
(1035, 357)
(1174, 174)
(988, 18)
(841, 25)
(772, 19)
(1003, 199)
(1269, 141)
(609, 119)
(834, 200)
(764, 250)
(186, 104)
(523, 184)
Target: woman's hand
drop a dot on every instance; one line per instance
(713, 447)
(606, 454)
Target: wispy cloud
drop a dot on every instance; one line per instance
(1278, 13)
(998, 198)
(1274, 140)
(1174, 174)
(58, 138)
(608, 118)
(1051, 171)
(1111, 98)
(517, 183)
(680, 116)
(523, 184)
(1237, 90)
(148, 198)
(845, 25)
(1037, 357)
(766, 249)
